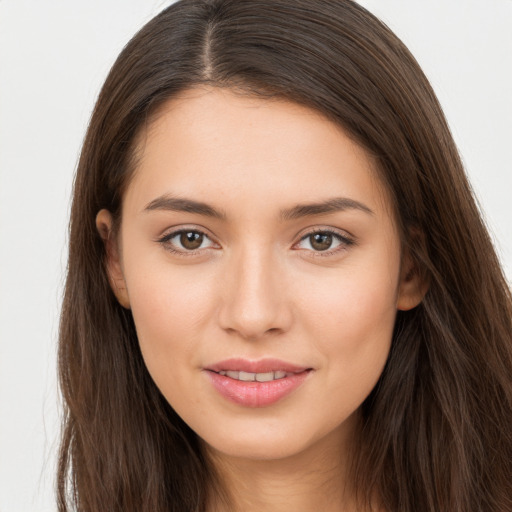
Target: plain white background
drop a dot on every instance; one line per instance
(54, 56)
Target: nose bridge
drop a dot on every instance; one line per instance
(255, 299)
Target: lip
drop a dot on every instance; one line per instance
(260, 366)
(253, 393)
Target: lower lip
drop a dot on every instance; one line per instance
(256, 394)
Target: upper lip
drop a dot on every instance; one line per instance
(260, 366)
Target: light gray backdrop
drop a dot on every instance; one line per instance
(54, 56)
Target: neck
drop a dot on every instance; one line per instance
(317, 478)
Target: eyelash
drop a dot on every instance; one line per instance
(344, 242)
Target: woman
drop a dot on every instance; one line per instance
(280, 290)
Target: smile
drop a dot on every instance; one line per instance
(256, 383)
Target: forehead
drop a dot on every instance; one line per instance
(217, 145)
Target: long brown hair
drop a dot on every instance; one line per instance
(437, 428)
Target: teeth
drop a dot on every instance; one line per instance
(252, 377)
(265, 377)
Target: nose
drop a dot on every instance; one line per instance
(255, 299)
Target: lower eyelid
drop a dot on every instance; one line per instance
(329, 252)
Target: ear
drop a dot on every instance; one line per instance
(413, 284)
(104, 225)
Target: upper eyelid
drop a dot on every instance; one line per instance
(175, 230)
(343, 234)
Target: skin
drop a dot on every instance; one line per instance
(257, 286)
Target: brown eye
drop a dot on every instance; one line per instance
(320, 241)
(186, 242)
(325, 243)
(191, 240)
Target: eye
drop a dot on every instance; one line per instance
(324, 241)
(186, 240)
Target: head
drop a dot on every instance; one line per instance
(332, 71)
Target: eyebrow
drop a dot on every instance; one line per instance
(179, 204)
(336, 204)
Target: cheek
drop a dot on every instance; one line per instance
(353, 321)
(354, 298)
(169, 307)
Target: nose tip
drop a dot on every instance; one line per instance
(255, 301)
(251, 331)
(253, 321)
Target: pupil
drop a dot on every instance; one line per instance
(191, 240)
(321, 241)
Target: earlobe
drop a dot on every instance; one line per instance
(104, 225)
(413, 285)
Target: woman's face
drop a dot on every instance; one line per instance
(257, 239)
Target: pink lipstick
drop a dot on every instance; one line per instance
(256, 383)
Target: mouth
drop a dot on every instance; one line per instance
(256, 383)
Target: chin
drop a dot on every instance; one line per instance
(265, 443)
(257, 449)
